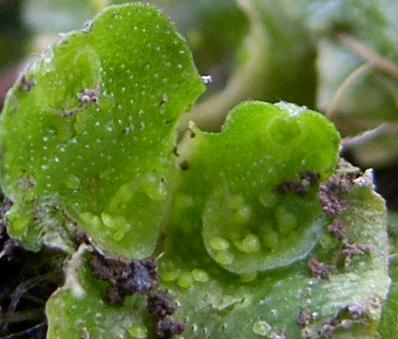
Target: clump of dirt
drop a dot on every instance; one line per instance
(319, 269)
(305, 318)
(334, 199)
(142, 277)
(350, 251)
(161, 304)
(344, 320)
(168, 328)
(302, 186)
(337, 229)
(333, 193)
(125, 278)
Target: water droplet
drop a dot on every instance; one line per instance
(250, 244)
(219, 243)
(90, 219)
(245, 278)
(224, 257)
(262, 328)
(72, 182)
(119, 234)
(138, 331)
(170, 275)
(107, 219)
(200, 275)
(243, 214)
(154, 188)
(185, 280)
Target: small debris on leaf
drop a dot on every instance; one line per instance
(345, 318)
(207, 79)
(136, 276)
(337, 229)
(332, 194)
(160, 305)
(184, 165)
(350, 251)
(26, 84)
(65, 114)
(168, 328)
(319, 269)
(300, 187)
(88, 96)
(305, 318)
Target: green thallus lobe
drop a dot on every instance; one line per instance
(87, 137)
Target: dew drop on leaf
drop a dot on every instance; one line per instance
(262, 328)
(72, 182)
(138, 331)
(219, 243)
(200, 275)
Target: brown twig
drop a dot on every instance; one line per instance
(369, 55)
(353, 77)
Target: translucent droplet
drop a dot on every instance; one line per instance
(200, 275)
(138, 331)
(72, 182)
(185, 280)
(243, 214)
(107, 219)
(219, 244)
(90, 219)
(224, 257)
(119, 234)
(262, 328)
(154, 188)
(250, 244)
(170, 275)
(245, 278)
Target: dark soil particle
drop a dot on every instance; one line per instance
(88, 96)
(160, 305)
(168, 328)
(319, 269)
(81, 236)
(26, 84)
(337, 229)
(345, 318)
(136, 276)
(350, 251)
(333, 193)
(305, 318)
(300, 187)
(332, 204)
